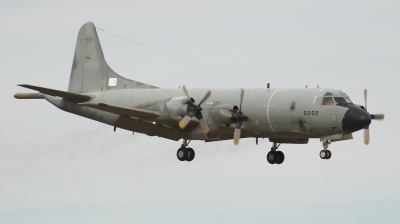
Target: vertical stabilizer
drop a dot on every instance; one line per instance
(90, 71)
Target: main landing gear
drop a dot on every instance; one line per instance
(275, 157)
(184, 153)
(325, 153)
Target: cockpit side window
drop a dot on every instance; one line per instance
(328, 101)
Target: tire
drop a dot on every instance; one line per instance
(280, 157)
(182, 154)
(322, 154)
(190, 154)
(328, 154)
(271, 157)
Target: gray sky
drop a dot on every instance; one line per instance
(57, 167)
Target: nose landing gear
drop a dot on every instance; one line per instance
(325, 153)
(184, 153)
(275, 157)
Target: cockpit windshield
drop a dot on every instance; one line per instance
(336, 101)
(342, 100)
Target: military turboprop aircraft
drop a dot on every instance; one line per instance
(294, 116)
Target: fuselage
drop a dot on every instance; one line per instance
(294, 114)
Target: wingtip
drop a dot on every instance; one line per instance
(236, 142)
(366, 142)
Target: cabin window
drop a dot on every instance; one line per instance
(328, 101)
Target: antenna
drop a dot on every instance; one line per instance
(268, 86)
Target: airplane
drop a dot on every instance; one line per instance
(282, 115)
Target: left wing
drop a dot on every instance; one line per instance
(123, 111)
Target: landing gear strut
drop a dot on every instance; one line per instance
(184, 153)
(325, 153)
(275, 157)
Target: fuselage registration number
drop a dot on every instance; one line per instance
(313, 112)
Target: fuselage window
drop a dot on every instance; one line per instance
(328, 101)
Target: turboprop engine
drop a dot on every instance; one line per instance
(177, 107)
(219, 118)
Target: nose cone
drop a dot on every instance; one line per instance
(355, 119)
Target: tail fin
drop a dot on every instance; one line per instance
(90, 71)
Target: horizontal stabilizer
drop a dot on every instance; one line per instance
(123, 111)
(59, 93)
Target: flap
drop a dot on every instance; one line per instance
(123, 111)
(54, 92)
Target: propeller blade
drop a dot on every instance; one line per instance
(204, 125)
(184, 122)
(236, 136)
(225, 113)
(252, 121)
(365, 99)
(185, 91)
(366, 136)
(377, 116)
(241, 99)
(208, 94)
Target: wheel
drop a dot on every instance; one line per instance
(280, 157)
(271, 157)
(190, 154)
(328, 154)
(322, 154)
(182, 154)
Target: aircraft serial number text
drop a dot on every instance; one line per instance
(311, 112)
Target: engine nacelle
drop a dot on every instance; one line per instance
(176, 107)
(220, 119)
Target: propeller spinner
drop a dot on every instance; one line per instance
(194, 110)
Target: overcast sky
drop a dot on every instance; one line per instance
(57, 167)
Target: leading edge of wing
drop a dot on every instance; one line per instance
(54, 92)
(123, 111)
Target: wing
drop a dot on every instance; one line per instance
(123, 111)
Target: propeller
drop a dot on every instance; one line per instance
(237, 118)
(194, 110)
(373, 117)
